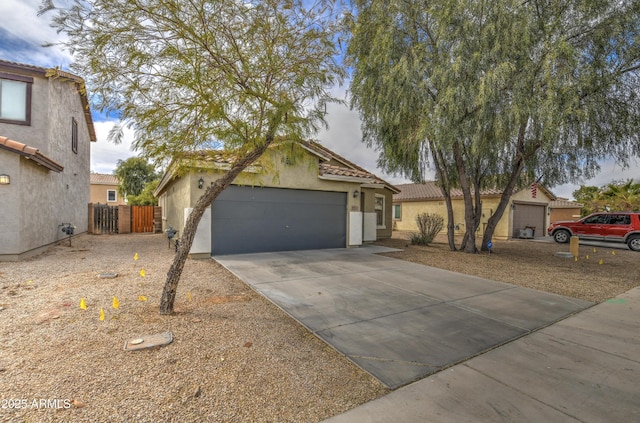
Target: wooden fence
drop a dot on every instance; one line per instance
(105, 219)
(142, 219)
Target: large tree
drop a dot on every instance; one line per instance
(188, 73)
(498, 92)
(134, 174)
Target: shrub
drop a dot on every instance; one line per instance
(428, 227)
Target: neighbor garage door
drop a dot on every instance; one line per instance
(249, 220)
(529, 215)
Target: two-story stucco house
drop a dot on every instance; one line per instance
(104, 190)
(45, 134)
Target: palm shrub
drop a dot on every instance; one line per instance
(429, 224)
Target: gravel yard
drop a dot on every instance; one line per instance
(599, 274)
(235, 356)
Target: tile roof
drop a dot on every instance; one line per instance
(30, 153)
(103, 179)
(564, 203)
(429, 190)
(350, 170)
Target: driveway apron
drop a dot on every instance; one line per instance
(397, 320)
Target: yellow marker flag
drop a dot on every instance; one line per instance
(101, 314)
(142, 298)
(189, 295)
(587, 257)
(83, 305)
(135, 256)
(115, 304)
(143, 273)
(600, 262)
(613, 253)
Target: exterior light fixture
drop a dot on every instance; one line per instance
(355, 194)
(200, 183)
(4, 179)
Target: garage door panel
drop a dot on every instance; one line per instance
(529, 215)
(246, 220)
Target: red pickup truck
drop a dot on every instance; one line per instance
(615, 226)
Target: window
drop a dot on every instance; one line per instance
(620, 219)
(598, 219)
(379, 208)
(74, 135)
(15, 99)
(112, 196)
(397, 212)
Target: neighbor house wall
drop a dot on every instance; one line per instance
(564, 214)
(47, 198)
(410, 209)
(98, 194)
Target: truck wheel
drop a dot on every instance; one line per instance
(562, 236)
(634, 243)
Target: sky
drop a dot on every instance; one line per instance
(22, 34)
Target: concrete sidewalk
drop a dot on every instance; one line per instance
(585, 368)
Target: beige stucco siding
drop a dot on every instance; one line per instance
(98, 194)
(410, 209)
(302, 174)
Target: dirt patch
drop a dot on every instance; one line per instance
(235, 356)
(598, 274)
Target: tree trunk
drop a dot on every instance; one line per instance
(469, 241)
(211, 193)
(516, 169)
(445, 188)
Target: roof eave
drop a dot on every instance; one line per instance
(345, 179)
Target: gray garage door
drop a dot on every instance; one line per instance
(529, 215)
(249, 220)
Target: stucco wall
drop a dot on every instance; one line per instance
(368, 201)
(98, 194)
(565, 214)
(47, 198)
(10, 217)
(410, 209)
(275, 172)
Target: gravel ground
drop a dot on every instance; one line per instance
(599, 273)
(235, 356)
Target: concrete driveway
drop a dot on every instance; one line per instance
(397, 320)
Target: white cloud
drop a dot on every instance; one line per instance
(609, 172)
(21, 22)
(105, 154)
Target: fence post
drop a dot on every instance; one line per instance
(124, 219)
(90, 221)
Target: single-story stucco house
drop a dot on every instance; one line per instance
(104, 190)
(528, 209)
(295, 197)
